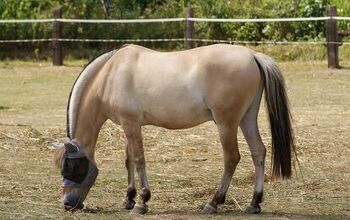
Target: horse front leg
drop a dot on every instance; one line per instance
(129, 201)
(228, 138)
(134, 137)
(145, 193)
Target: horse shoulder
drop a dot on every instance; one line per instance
(115, 85)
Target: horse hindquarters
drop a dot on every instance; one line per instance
(228, 105)
(280, 124)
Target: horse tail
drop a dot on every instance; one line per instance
(279, 116)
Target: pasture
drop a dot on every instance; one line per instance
(184, 166)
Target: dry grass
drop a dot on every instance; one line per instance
(184, 166)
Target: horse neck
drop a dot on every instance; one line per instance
(89, 122)
(84, 118)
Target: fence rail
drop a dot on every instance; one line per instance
(268, 42)
(332, 36)
(165, 20)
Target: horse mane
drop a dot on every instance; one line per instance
(58, 157)
(89, 71)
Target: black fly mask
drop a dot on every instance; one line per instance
(77, 169)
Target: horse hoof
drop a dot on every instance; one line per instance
(139, 209)
(127, 204)
(208, 210)
(253, 209)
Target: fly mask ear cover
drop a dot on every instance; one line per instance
(77, 170)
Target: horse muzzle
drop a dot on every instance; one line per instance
(73, 201)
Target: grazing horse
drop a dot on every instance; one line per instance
(135, 86)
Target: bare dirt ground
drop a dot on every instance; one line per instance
(184, 166)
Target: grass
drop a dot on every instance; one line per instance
(184, 166)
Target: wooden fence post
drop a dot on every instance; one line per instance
(57, 55)
(189, 29)
(332, 38)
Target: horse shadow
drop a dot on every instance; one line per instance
(344, 67)
(227, 214)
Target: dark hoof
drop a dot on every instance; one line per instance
(253, 209)
(209, 210)
(139, 209)
(127, 204)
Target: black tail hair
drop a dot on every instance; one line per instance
(279, 116)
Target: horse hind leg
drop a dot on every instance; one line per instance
(251, 133)
(228, 138)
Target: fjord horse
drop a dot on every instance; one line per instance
(135, 86)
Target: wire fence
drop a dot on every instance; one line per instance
(187, 38)
(168, 20)
(165, 20)
(268, 42)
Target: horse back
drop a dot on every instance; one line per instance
(179, 89)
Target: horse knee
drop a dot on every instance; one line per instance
(140, 163)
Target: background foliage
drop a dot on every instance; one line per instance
(129, 9)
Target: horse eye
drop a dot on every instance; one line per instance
(75, 169)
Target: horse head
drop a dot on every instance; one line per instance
(78, 172)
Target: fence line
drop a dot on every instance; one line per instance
(26, 40)
(269, 42)
(92, 40)
(112, 21)
(239, 20)
(165, 20)
(7, 21)
(97, 21)
(332, 36)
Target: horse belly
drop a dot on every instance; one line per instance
(175, 109)
(176, 119)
